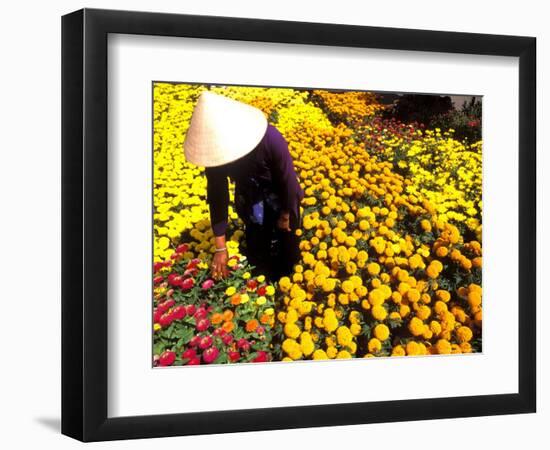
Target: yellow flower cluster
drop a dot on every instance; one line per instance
(444, 171)
(349, 106)
(386, 268)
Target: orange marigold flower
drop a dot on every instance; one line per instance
(228, 315)
(251, 325)
(228, 326)
(235, 299)
(216, 318)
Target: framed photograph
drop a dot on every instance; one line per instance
(271, 224)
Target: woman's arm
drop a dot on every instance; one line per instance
(217, 195)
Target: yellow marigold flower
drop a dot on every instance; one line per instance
(319, 354)
(373, 268)
(440, 307)
(474, 298)
(332, 352)
(376, 297)
(412, 348)
(246, 275)
(306, 343)
(413, 295)
(464, 334)
(379, 312)
(156, 326)
(292, 330)
(416, 326)
(423, 312)
(244, 298)
(398, 350)
(347, 286)
(466, 347)
(261, 300)
(261, 278)
(230, 291)
(381, 332)
(374, 345)
(284, 284)
(344, 336)
(443, 346)
(435, 327)
(343, 354)
(355, 329)
(404, 310)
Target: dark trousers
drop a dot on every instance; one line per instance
(272, 251)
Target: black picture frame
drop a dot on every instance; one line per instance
(84, 224)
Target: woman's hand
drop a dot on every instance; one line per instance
(283, 223)
(219, 260)
(219, 265)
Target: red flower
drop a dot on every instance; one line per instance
(190, 353)
(157, 266)
(174, 279)
(182, 248)
(233, 356)
(194, 361)
(261, 357)
(261, 290)
(202, 325)
(194, 342)
(187, 284)
(219, 332)
(243, 344)
(193, 263)
(190, 309)
(167, 358)
(179, 312)
(205, 342)
(190, 272)
(165, 306)
(227, 339)
(156, 315)
(165, 320)
(210, 355)
(158, 279)
(252, 284)
(207, 284)
(200, 313)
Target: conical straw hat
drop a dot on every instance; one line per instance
(222, 130)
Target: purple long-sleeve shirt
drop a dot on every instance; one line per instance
(270, 163)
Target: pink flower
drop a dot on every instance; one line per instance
(243, 344)
(194, 341)
(210, 355)
(182, 248)
(207, 284)
(200, 313)
(227, 339)
(179, 312)
(167, 358)
(190, 353)
(202, 325)
(233, 356)
(205, 342)
(190, 309)
(187, 284)
(261, 357)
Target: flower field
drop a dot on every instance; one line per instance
(391, 253)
